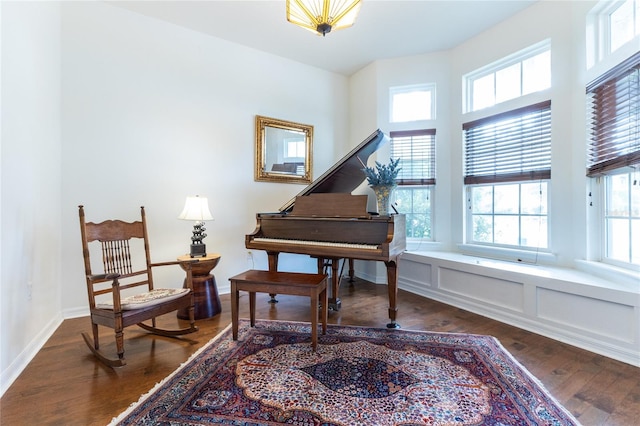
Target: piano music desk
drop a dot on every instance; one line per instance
(273, 282)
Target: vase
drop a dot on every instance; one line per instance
(383, 197)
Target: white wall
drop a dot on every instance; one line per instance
(153, 112)
(30, 280)
(113, 110)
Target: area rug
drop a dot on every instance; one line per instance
(358, 376)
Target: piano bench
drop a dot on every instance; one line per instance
(291, 283)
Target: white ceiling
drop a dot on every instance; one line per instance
(384, 28)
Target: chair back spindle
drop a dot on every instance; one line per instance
(116, 257)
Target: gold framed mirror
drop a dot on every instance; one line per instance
(283, 151)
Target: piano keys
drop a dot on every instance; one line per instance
(327, 222)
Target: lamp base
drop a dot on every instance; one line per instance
(198, 250)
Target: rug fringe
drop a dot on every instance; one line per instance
(537, 381)
(144, 396)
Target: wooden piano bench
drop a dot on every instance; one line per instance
(291, 283)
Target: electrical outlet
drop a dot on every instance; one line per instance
(249, 255)
(29, 290)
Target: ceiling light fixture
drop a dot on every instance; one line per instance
(322, 16)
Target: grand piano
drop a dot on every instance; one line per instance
(327, 222)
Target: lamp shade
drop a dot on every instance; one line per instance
(196, 208)
(322, 16)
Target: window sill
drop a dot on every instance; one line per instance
(609, 272)
(581, 280)
(510, 255)
(416, 244)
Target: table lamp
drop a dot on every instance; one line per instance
(197, 208)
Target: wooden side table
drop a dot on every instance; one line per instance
(205, 291)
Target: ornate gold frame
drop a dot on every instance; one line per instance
(270, 145)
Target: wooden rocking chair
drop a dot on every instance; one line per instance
(122, 271)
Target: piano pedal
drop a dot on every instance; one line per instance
(273, 299)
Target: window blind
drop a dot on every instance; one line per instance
(508, 147)
(613, 102)
(417, 152)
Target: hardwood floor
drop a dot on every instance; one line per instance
(66, 385)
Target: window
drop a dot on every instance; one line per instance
(507, 168)
(412, 103)
(610, 26)
(525, 72)
(622, 217)
(509, 214)
(295, 148)
(624, 23)
(614, 154)
(417, 153)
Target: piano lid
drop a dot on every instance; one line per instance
(346, 175)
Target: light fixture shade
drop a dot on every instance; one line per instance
(196, 208)
(323, 16)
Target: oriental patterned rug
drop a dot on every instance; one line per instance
(358, 376)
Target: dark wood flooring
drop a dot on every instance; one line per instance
(66, 385)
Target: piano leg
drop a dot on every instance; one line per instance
(273, 266)
(334, 301)
(392, 286)
(351, 271)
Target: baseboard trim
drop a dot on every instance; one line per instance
(75, 313)
(11, 373)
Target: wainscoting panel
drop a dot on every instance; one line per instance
(594, 313)
(571, 310)
(497, 292)
(417, 273)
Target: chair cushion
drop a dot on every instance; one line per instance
(144, 300)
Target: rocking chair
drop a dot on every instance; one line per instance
(113, 301)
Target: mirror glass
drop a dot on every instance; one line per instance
(283, 151)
